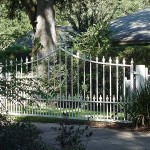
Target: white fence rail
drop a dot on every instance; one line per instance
(67, 83)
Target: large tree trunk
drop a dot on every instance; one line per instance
(45, 27)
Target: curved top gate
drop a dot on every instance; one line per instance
(69, 84)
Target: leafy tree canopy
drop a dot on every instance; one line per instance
(90, 18)
(12, 29)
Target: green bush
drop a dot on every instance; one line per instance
(70, 136)
(134, 52)
(95, 41)
(14, 52)
(20, 136)
(139, 106)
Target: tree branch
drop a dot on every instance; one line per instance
(31, 10)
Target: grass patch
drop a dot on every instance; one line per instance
(46, 119)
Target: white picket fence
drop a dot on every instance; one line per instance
(69, 84)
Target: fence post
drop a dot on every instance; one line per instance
(146, 74)
(131, 77)
(140, 77)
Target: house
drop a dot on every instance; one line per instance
(132, 29)
(64, 35)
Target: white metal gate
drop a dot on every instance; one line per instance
(67, 84)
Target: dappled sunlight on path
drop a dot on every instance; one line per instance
(103, 138)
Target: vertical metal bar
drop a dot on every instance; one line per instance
(107, 99)
(32, 80)
(58, 104)
(32, 77)
(94, 102)
(131, 76)
(84, 85)
(21, 66)
(60, 84)
(6, 91)
(69, 99)
(78, 90)
(37, 65)
(121, 111)
(66, 72)
(32, 67)
(88, 102)
(16, 89)
(21, 92)
(32, 84)
(124, 91)
(97, 85)
(103, 60)
(72, 80)
(124, 88)
(90, 85)
(115, 113)
(66, 102)
(11, 87)
(110, 84)
(56, 107)
(26, 67)
(40, 105)
(48, 71)
(78, 73)
(100, 101)
(16, 68)
(54, 72)
(75, 101)
(47, 104)
(8, 88)
(63, 99)
(37, 77)
(42, 95)
(117, 86)
(42, 69)
(26, 78)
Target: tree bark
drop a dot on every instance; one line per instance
(45, 27)
(31, 11)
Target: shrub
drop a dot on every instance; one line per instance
(134, 52)
(70, 136)
(139, 106)
(12, 52)
(20, 136)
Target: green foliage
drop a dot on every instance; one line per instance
(93, 42)
(26, 136)
(10, 30)
(14, 52)
(91, 19)
(134, 52)
(42, 119)
(70, 136)
(127, 7)
(20, 135)
(138, 106)
(83, 14)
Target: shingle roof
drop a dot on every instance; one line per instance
(133, 28)
(63, 32)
